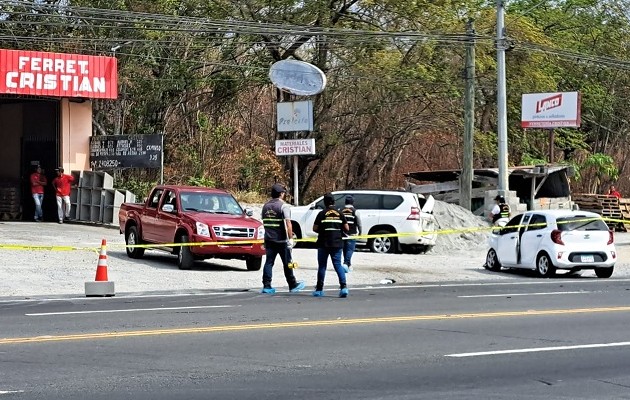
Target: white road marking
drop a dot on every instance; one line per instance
(523, 294)
(127, 310)
(539, 349)
(139, 296)
(10, 391)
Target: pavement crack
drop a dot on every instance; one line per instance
(544, 382)
(613, 383)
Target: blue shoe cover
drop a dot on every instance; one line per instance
(299, 286)
(318, 293)
(343, 292)
(268, 290)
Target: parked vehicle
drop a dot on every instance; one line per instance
(185, 214)
(548, 240)
(381, 212)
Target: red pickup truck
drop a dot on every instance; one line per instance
(186, 214)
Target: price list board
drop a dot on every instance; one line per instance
(125, 151)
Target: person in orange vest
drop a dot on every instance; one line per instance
(612, 191)
(62, 190)
(38, 181)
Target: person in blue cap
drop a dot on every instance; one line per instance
(330, 224)
(276, 217)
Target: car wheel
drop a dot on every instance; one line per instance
(604, 272)
(544, 266)
(253, 263)
(383, 244)
(492, 261)
(132, 238)
(185, 259)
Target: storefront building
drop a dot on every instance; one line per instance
(46, 120)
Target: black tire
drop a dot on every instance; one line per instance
(297, 232)
(544, 266)
(253, 263)
(185, 258)
(492, 261)
(132, 237)
(604, 272)
(384, 244)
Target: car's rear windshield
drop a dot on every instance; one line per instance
(581, 223)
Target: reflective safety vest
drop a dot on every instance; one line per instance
(273, 221)
(351, 216)
(504, 212)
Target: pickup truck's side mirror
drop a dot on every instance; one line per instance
(249, 212)
(169, 208)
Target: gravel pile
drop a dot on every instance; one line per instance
(452, 217)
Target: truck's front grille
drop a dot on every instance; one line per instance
(234, 232)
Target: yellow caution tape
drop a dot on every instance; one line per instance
(312, 240)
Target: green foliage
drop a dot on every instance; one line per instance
(139, 187)
(527, 159)
(202, 181)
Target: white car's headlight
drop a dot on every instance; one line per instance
(202, 229)
(261, 232)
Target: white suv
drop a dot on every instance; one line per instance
(381, 212)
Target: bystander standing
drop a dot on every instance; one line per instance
(38, 182)
(62, 184)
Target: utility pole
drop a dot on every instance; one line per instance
(465, 180)
(501, 100)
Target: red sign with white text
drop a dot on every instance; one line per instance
(57, 74)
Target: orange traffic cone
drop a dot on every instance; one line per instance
(102, 286)
(101, 267)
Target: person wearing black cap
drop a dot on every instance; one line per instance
(330, 225)
(500, 211)
(276, 216)
(62, 185)
(354, 223)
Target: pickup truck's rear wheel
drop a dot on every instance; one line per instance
(185, 259)
(132, 238)
(253, 263)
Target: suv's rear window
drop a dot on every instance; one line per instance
(390, 202)
(581, 223)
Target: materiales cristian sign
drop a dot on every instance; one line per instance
(295, 147)
(551, 110)
(57, 74)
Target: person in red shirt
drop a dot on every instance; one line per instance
(62, 190)
(38, 181)
(613, 192)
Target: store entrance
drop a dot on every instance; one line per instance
(31, 131)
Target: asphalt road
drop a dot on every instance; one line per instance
(524, 338)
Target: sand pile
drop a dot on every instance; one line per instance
(453, 217)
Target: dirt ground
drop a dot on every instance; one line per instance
(30, 271)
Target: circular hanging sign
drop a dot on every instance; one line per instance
(297, 77)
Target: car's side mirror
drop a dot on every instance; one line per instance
(169, 208)
(249, 212)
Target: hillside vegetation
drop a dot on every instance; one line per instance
(197, 71)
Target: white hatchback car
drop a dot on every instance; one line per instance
(406, 218)
(547, 240)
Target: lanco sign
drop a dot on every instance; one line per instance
(551, 110)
